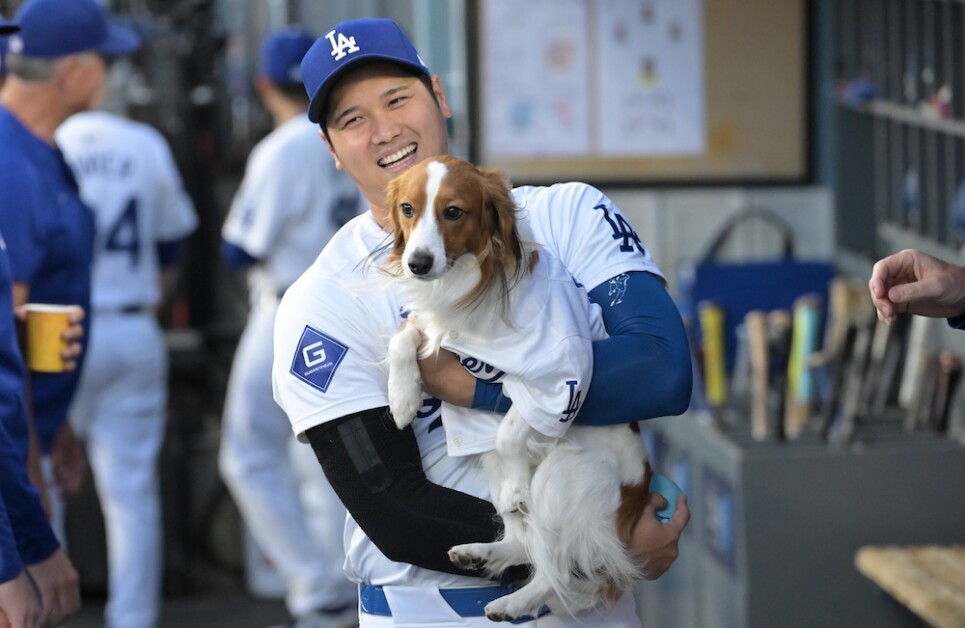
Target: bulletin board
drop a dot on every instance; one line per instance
(637, 91)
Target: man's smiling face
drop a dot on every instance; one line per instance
(382, 120)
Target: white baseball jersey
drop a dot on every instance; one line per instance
(544, 358)
(334, 324)
(129, 179)
(284, 215)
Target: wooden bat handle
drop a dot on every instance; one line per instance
(949, 374)
(756, 324)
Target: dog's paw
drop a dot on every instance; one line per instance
(513, 498)
(405, 399)
(469, 555)
(504, 609)
(493, 558)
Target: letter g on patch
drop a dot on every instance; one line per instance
(317, 358)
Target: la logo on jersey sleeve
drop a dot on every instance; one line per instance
(317, 357)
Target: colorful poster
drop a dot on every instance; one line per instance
(651, 79)
(607, 78)
(536, 78)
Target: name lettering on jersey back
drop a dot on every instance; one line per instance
(316, 359)
(106, 164)
(481, 370)
(341, 45)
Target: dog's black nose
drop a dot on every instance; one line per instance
(420, 263)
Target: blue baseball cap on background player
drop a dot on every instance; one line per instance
(57, 28)
(346, 46)
(281, 55)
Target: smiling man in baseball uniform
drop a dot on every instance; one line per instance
(381, 111)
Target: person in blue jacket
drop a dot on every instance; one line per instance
(30, 556)
(56, 67)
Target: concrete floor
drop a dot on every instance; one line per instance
(225, 610)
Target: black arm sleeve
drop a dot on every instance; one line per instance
(376, 469)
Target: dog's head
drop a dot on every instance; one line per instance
(445, 208)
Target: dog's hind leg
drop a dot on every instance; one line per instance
(512, 444)
(405, 380)
(499, 555)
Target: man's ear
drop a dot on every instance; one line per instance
(262, 85)
(331, 151)
(441, 96)
(66, 72)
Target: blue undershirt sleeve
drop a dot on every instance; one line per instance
(168, 253)
(489, 396)
(641, 371)
(236, 257)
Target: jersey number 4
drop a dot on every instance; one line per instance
(123, 236)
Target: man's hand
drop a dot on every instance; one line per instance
(59, 588)
(444, 378)
(655, 543)
(18, 603)
(71, 336)
(917, 283)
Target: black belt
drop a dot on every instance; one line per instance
(123, 309)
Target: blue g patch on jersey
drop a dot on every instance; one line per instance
(317, 358)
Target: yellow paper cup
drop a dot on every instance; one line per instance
(45, 324)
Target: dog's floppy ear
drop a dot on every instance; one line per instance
(502, 211)
(393, 194)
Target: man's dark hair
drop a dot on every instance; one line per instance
(294, 91)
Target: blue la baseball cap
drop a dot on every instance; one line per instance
(346, 46)
(56, 28)
(281, 55)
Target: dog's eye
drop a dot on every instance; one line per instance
(407, 210)
(452, 213)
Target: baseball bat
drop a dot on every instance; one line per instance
(804, 339)
(779, 345)
(715, 377)
(876, 359)
(838, 369)
(740, 376)
(949, 373)
(918, 414)
(839, 298)
(843, 431)
(919, 343)
(755, 322)
(886, 391)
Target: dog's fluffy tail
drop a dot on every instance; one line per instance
(572, 528)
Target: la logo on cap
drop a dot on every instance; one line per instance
(342, 46)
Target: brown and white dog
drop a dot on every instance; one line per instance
(568, 503)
